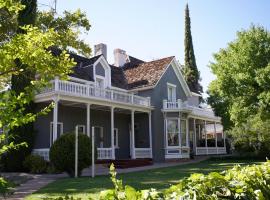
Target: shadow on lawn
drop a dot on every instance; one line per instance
(157, 178)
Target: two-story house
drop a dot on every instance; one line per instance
(135, 109)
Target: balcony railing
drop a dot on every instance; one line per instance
(180, 105)
(84, 90)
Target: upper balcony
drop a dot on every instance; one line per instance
(93, 92)
(179, 105)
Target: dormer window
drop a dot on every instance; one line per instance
(171, 92)
(102, 73)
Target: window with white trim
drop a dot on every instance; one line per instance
(59, 131)
(171, 92)
(116, 137)
(81, 129)
(172, 130)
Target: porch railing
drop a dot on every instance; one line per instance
(42, 152)
(210, 150)
(183, 105)
(177, 152)
(143, 153)
(104, 153)
(90, 91)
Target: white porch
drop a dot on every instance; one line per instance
(104, 152)
(194, 129)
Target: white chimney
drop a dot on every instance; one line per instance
(120, 57)
(101, 49)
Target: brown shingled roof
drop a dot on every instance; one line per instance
(147, 73)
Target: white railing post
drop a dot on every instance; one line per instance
(195, 137)
(132, 136)
(215, 129)
(88, 119)
(148, 101)
(132, 98)
(56, 83)
(112, 95)
(112, 133)
(179, 103)
(165, 106)
(205, 137)
(150, 133)
(93, 152)
(55, 119)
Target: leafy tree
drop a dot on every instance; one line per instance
(243, 75)
(69, 27)
(190, 70)
(13, 161)
(31, 47)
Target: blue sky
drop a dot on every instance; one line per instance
(152, 29)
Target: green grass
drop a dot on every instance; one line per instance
(158, 178)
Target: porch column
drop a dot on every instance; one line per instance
(132, 136)
(195, 138)
(112, 133)
(55, 119)
(88, 119)
(215, 129)
(205, 137)
(224, 138)
(150, 133)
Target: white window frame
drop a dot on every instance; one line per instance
(81, 126)
(178, 133)
(172, 97)
(116, 141)
(51, 130)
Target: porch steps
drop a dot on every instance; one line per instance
(127, 163)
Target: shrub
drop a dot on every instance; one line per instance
(250, 182)
(242, 183)
(35, 164)
(5, 187)
(62, 153)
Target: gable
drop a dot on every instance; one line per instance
(171, 78)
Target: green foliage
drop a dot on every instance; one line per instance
(243, 70)
(5, 187)
(69, 26)
(252, 138)
(63, 198)
(24, 52)
(190, 70)
(62, 153)
(250, 182)
(35, 164)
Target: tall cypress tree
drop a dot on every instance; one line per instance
(13, 160)
(190, 70)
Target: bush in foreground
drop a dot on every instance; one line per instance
(242, 183)
(62, 153)
(5, 187)
(35, 164)
(250, 182)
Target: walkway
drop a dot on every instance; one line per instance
(39, 181)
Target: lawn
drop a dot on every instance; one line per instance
(158, 178)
